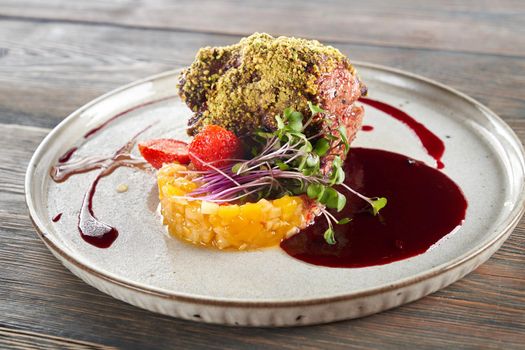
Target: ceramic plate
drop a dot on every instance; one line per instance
(146, 268)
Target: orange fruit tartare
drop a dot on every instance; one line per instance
(237, 226)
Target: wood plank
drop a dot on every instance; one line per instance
(16, 339)
(483, 310)
(49, 70)
(473, 26)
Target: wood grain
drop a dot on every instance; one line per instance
(57, 55)
(473, 26)
(48, 72)
(16, 339)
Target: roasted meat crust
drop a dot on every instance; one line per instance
(243, 86)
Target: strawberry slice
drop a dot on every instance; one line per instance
(214, 145)
(160, 151)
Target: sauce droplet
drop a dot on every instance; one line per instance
(433, 144)
(91, 229)
(57, 217)
(424, 205)
(367, 128)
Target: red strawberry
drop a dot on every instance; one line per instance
(160, 151)
(212, 145)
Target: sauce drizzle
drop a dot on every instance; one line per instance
(433, 144)
(66, 156)
(424, 205)
(91, 229)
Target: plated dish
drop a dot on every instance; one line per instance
(272, 208)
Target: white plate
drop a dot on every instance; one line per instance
(267, 287)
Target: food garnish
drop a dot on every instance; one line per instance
(160, 151)
(216, 145)
(273, 119)
(284, 162)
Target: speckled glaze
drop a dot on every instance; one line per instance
(146, 268)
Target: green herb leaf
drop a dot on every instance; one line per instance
(280, 122)
(236, 167)
(307, 147)
(344, 221)
(296, 125)
(295, 116)
(340, 176)
(335, 200)
(321, 147)
(287, 112)
(315, 108)
(344, 138)
(282, 165)
(312, 160)
(329, 236)
(341, 201)
(329, 198)
(378, 203)
(314, 190)
(337, 162)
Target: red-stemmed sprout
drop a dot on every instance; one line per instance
(284, 162)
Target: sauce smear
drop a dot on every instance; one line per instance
(424, 205)
(367, 128)
(66, 156)
(91, 229)
(433, 144)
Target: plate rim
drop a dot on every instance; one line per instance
(501, 231)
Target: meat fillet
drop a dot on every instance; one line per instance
(243, 87)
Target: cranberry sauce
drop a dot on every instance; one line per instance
(91, 229)
(66, 156)
(117, 116)
(367, 128)
(433, 144)
(57, 217)
(423, 206)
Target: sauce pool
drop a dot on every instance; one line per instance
(424, 205)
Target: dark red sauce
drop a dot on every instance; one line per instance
(367, 128)
(91, 229)
(433, 144)
(57, 217)
(66, 156)
(103, 125)
(424, 205)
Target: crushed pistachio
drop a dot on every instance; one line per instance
(243, 85)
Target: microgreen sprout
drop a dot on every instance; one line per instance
(286, 161)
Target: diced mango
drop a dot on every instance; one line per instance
(247, 226)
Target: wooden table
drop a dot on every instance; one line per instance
(56, 55)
